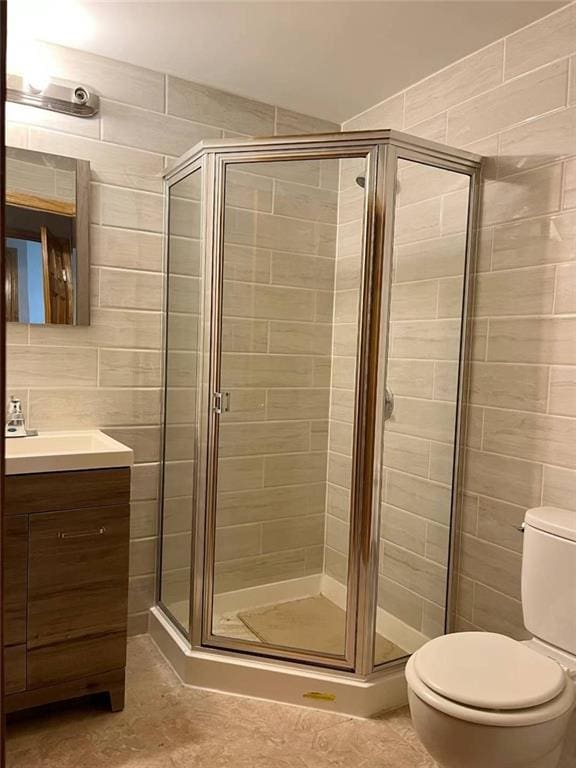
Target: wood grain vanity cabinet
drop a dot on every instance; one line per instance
(66, 585)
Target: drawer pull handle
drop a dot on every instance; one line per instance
(82, 534)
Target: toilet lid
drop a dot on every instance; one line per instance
(488, 671)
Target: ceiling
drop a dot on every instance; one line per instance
(329, 59)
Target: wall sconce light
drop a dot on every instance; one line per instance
(39, 92)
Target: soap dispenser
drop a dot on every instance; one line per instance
(15, 422)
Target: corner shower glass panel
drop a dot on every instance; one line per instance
(184, 292)
(291, 267)
(425, 337)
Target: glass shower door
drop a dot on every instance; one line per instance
(427, 293)
(182, 351)
(291, 263)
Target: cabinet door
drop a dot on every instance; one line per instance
(77, 593)
(15, 669)
(15, 565)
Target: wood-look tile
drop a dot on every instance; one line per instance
(533, 340)
(294, 469)
(537, 437)
(260, 504)
(419, 496)
(499, 522)
(544, 240)
(41, 366)
(401, 602)
(491, 565)
(499, 613)
(510, 479)
(128, 249)
(558, 489)
(280, 535)
(459, 82)
(403, 528)
(130, 368)
(563, 391)
(440, 257)
(532, 193)
(109, 164)
(305, 202)
(414, 572)
(569, 186)
(504, 385)
(565, 295)
(104, 407)
(406, 453)
(304, 403)
(515, 292)
(291, 123)
(248, 190)
(541, 141)
(428, 340)
(427, 419)
(246, 264)
(144, 441)
(130, 289)
(513, 102)
(131, 208)
(263, 438)
(302, 271)
(194, 101)
(151, 131)
(237, 541)
(546, 40)
(388, 114)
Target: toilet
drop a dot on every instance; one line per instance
(483, 700)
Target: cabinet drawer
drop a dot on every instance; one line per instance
(15, 669)
(77, 593)
(56, 491)
(15, 575)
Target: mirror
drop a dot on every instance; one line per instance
(47, 238)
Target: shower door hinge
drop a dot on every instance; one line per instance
(221, 402)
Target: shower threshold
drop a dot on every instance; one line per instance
(263, 614)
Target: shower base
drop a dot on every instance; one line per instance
(286, 682)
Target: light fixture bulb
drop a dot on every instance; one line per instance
(36, 71)
(36, 82)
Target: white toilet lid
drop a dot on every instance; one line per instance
(488, 671)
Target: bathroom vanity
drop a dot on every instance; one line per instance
(67, 530)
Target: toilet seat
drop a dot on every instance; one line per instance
(490, 679)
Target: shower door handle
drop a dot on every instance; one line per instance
(221, 402)
(388, 404)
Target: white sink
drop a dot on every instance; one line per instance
(64, 451)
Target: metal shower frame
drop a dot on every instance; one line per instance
(382, 150)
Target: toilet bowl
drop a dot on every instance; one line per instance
(482, 700)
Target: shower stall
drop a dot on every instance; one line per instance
(315, 349)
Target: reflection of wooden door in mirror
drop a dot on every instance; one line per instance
(57, 264)
(11, 279)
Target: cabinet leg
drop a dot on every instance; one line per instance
(117, 696)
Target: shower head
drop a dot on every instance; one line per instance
(361, 181)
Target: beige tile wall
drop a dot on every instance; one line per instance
(279, 260)
(107, 375)
(424, 337)
(424, 342)
(342, 390)
(512, 102)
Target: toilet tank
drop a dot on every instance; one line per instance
(549, 576)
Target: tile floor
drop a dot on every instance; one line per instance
(167, 725)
